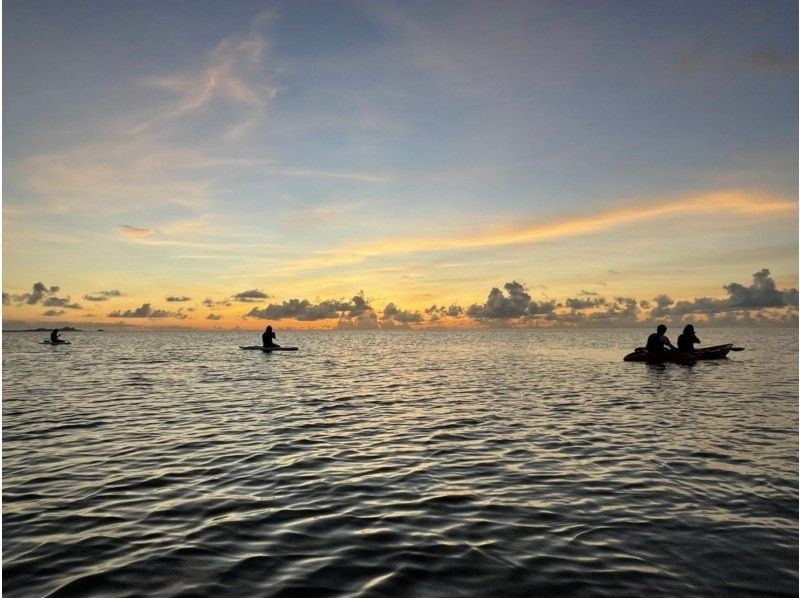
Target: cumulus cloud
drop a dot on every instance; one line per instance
(41, 294)
(357, 312)
(760, 294)
(303, 310)
(622, 311)
(518, 304)
(54, 312)
(37, 294)
(367, 320)
(144, 311)
(437, 312)
(173, 299)
(102, 295)
(360, 306)
(359, 315)
(213, 317)
(393, 315)
(251, 296)
(60, 302)
(208, 302)
(126, 230)
(585, 303)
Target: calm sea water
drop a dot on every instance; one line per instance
(503, 463)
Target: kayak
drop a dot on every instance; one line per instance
(714, 352)
(55, 343)
(660, 357)
(267, 349)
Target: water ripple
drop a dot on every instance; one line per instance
(464, 464)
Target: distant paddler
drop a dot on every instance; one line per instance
(266, 338)
(54, 337)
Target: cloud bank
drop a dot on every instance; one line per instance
(759, 302)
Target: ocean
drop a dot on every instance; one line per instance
(398, 463)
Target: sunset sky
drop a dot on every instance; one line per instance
(205, 163)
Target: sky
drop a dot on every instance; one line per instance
(413, 164)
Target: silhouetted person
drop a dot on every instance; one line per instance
(658, 341)
(687, 340)
(266, 338)
(54, 337)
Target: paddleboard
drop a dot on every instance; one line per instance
(58, 343)
(267, 349)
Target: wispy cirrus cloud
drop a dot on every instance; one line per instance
(126, 230)
(363, 177)
(772, 61)
(727, 203)
(733, 202)
(156, 162)
(231, 74)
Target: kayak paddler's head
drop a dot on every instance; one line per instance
(661, 329)
(688, 329)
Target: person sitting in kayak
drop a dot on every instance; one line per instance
(687, 340)
(54, 337)
(658, 341)
(266, 338)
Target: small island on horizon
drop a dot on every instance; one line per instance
(65, 329)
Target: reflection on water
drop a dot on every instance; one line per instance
(396, 463)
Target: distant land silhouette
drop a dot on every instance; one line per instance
(65, 329)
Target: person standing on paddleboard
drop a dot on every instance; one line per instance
(687, 340)
(658, 341)
(54, 337)
(266, 338)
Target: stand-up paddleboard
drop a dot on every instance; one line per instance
(267, 349)
(56, 343)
